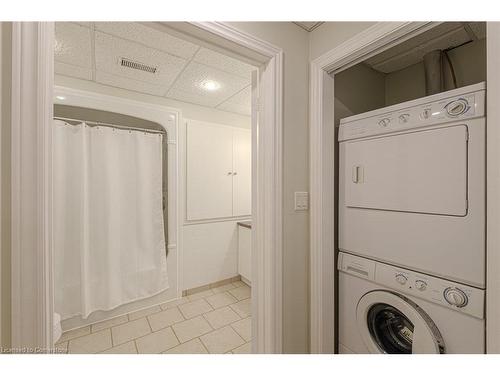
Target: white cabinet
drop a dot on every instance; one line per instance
(242, 167)
(245, 253)
(218, 171)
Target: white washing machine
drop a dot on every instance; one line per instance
(387, 309)
(412, 185)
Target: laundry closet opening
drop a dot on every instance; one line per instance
(410, 190)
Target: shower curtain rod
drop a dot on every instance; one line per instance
(97, 123)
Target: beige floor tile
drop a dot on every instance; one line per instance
(93, 343)
(144, 312)
(237, 284)
(157, 342)
(243, 308)
(174, 303)
(127, 348)
(61, 348)
(165, 318)
(243, 349)
(221, 317)
(189, 329)
(223, 288)
(130, 331)
(197, 296)
(220, 300)
(191, 347)
(74, 333)
(192, 309)
(244, 328)
(222, 340)
(96, 327)
(240, 293)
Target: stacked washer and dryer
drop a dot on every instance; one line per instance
(412, 226)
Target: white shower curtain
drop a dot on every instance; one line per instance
(108, 218)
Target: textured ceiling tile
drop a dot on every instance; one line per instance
(222, 62)
(129, 84)
(72, 44)
(150, 37)
(192, 78)
(72, 71)
(244, 97)
(194, 98)
(236, 108)
(109, 50)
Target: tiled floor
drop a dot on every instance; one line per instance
(216, 320)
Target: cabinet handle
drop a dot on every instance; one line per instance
(229, 173)
(235, 173)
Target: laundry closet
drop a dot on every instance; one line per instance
(411, 213)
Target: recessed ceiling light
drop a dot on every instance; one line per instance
(210, 85)
(60, 97)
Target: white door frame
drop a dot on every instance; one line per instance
(32, 99)
(322, 148)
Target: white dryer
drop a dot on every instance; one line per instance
(412, 185)
(387, 309)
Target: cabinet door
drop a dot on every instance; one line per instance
(209, 164)
(242, 167)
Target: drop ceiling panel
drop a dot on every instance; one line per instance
(92, 51)
(149, 37)
(239, 103)
(191, 79)
(129, 84)
(236, 108)
(193, 97)
(109, 50)
(222, 62)
(72, 71)
(73, 44)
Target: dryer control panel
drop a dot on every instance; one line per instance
(459, 297)
(454, 105)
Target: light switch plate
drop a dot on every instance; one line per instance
(301, 201)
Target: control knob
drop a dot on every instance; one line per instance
(403, 118)
(457, 107)
(455, 297)
(420, 285)
(402, 279)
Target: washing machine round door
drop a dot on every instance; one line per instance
(391, 323)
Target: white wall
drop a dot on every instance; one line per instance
(294, 41)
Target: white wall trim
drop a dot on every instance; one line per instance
(31, 205)
(493, 189)
(267, 190)
(322, 167)
(32, 80)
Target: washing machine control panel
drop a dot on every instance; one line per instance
(420, 113)
(460, 297)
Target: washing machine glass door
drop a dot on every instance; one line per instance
(391, 323)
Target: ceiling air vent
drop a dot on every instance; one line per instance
(137, 65)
